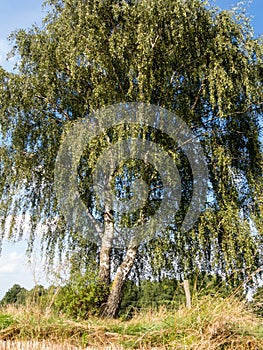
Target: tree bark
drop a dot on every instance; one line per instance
(114, 299)
(106, 247)
(104, 268)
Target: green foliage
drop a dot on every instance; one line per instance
(15, 295)
(203, 284)
(155, 294)
(202, 64)
(81, 297)
(36, 294)
(257, 302)
(6, 321)
(169, 292)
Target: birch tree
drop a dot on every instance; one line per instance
(202, 64)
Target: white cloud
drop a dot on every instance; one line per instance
(10, 263)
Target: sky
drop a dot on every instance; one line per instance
(15, 14)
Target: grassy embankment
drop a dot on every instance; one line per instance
(212, 323)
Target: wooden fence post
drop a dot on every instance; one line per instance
(187, 294)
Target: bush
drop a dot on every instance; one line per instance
(81, 297)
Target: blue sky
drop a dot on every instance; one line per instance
(15, 14)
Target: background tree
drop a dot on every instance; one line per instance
(15, 295)
(204, 65)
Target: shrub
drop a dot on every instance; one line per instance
(81, 297)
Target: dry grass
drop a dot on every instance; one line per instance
(45, 345)
(34, 345)
(211, 324)
(222, 324)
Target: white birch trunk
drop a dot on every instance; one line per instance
(105, 252)
(122, 273)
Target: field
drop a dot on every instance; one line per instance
(212, 323)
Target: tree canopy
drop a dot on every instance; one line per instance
(202, 64)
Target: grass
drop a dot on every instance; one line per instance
(211, 324)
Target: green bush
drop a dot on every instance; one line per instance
(81, 297)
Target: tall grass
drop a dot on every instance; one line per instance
(213, 323)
